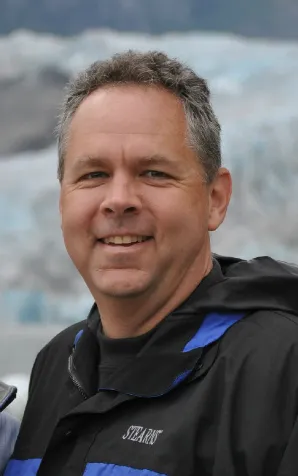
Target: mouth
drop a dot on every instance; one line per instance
(126, 240)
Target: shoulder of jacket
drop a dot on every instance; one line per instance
(273, 331)
(64, 339)
(273, 321)
(56, 350)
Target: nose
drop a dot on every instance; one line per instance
(120, 198)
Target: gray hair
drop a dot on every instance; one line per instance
(154, 69)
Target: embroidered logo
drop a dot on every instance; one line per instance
(147, 436)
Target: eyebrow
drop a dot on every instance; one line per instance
(89, 160)
(155, 159)
(151, 160)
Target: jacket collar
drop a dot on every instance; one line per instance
(173, 355)
(174, 352)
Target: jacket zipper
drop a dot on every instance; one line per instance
(75, 379)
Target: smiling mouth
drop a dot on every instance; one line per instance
(124, 240)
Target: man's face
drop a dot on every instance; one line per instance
(135, 209)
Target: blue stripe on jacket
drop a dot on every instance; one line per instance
(27, 467)
(103, 469)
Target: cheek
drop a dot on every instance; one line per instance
(181, 213)
(77, 211)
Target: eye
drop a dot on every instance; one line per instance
(95, 175)
(157, 174)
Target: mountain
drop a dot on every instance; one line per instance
(257, 18)
(257, 77)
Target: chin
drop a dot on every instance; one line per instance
(125, 286)
(119, 290)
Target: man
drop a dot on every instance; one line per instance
(9, 426)
(187, 362)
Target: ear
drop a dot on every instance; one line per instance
(60, 209)
(219, 198)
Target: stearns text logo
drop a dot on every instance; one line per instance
(147, 436)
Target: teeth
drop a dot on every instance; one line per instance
(119, 240)
(127, 239)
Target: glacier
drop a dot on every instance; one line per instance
(255, 95)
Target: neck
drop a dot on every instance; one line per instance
(131, 317)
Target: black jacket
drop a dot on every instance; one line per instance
(214, 392)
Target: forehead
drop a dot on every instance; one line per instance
(131, 109)
(129, 122)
